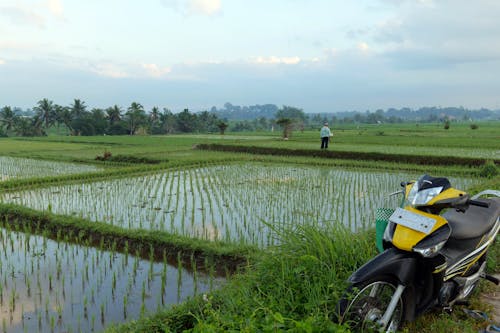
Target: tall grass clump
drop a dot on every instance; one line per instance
(295, 286)
(489, 170)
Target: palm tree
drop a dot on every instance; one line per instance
(114, 114)
(78, 108)
(135, 117)
(45, 112)
(64, 116)
(154, 116)
(7, 117)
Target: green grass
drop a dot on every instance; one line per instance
(224, 255)
(291, 287)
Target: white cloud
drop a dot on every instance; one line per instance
(273, 60)
(2, 62)
(207, 7)
(109, 70)
(189, 7)
(153, 70)
(123, 70)
(22, 16)
(438, 34)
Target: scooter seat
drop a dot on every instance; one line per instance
(475, 221)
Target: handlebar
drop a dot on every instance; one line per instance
(478, 203)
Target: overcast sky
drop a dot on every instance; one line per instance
(319, 55)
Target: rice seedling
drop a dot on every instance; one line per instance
(73, 286)
(16, 167)
(228, 202)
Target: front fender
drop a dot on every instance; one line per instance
(392, 262)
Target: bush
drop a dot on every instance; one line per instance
(489, 170)
(446, 125)
(474, 126)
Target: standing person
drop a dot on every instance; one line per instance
(325, 135)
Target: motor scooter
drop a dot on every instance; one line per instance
(434, 254)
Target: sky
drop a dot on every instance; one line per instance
(318, 55)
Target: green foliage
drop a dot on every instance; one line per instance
(489, 170)
(225, 256)
(351, 155)
(474, 126)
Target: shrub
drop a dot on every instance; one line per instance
(474, 126)
(105, 156)
(446, 125)
(489, 170)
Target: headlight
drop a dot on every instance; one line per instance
(430, 251)
(432, 244)
(416, 197)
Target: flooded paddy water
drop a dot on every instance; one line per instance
(236, 203)
(54, 286)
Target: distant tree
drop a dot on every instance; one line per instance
(99, 121)
(186, 121)
(154, 116)
(136, 117)
(168, 122)
(28, 127)
(78, 108)
(113, 114)
(8, 118)
(447, 124)
(63, 116)
(207, 122)
(45, 113)
(222, 127)
(286, 124)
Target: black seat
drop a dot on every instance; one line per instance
(475, 222)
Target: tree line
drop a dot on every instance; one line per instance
(77, 119)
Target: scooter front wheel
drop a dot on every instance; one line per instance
(364, 306)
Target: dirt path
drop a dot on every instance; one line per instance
(493, 298)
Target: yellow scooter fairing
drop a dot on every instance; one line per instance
(446, 196)
(405, 238)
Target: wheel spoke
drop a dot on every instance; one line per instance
(377, 306)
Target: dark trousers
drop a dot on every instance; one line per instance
(324, 142)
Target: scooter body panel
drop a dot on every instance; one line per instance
(392, 262)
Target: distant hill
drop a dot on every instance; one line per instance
(236, 112)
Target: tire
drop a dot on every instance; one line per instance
(365, 303)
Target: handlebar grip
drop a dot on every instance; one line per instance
(479, 203)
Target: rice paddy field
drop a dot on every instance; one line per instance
(49, 283)
(233, 203)
(16, 167)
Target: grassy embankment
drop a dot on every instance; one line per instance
(296, 285)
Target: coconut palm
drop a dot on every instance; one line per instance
(45, 113)
(136, 117)
(114, 114)
(78, 109)
(8, 118)
(64, 116)
(154, 116)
